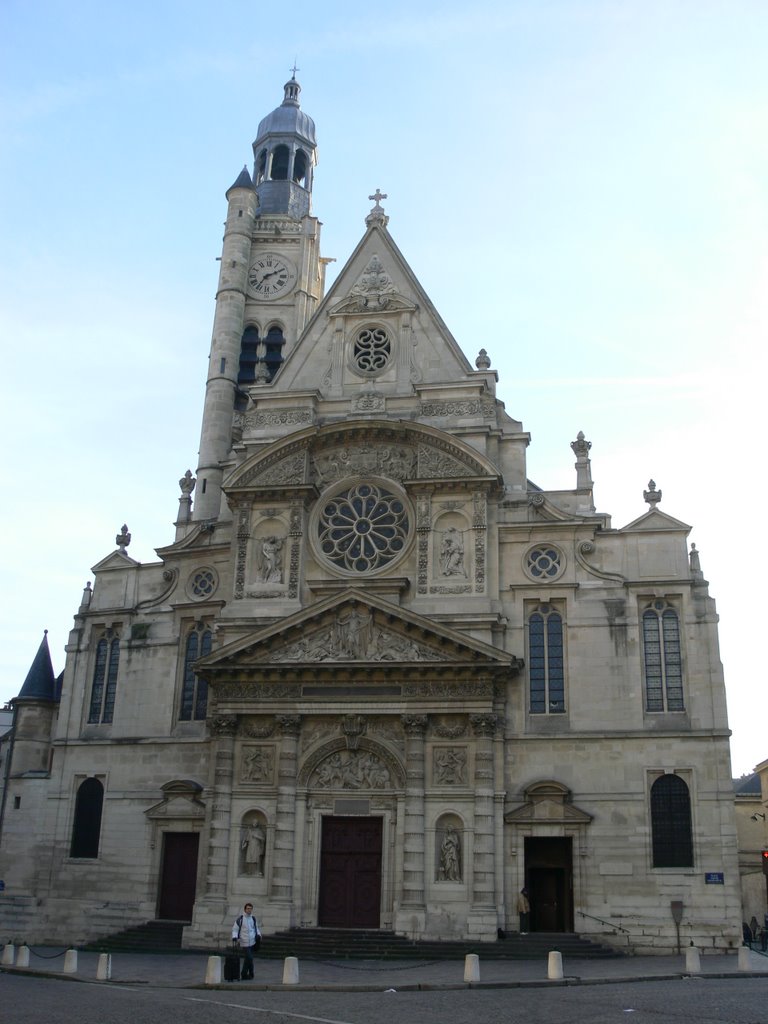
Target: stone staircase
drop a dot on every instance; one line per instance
(151, 937)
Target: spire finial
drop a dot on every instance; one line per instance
(652, 496)
(123, 539)
(294, 69)
(377, 215)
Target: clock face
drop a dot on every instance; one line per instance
(271, 276)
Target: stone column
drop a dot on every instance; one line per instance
(483, 880)
(223, 729)
(413, 847)
(289, 727)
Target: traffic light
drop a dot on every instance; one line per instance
(764, 859)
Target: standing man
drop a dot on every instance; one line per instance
(524, 910)
(246, 934)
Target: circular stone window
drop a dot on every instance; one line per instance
(202, 584)
(362, 528)
(371, 351)
(543, 562)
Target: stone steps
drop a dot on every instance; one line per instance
(150, 937)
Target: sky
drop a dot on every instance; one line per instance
(581, 188)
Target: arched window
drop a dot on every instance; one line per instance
(671, 823)
(261, 166)
(273, 355)
(546, 669)
(280, 163)
(104, 688)
(249, 355)
(300, 168)
(86, 826)
(194, 691)
(663, 659)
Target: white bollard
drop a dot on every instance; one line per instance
(9, 955)
(555, 966)
(22, 960)
(745, 959)
(104, 967)
(692, 960)
(291, 971)
(213, 971)
(471, 967)
(70, 962)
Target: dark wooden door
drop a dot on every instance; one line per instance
(350, 873)
(549, 878)
(178, 876)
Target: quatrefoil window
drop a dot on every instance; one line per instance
(372, 350)
(363, 528)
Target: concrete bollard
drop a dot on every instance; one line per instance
(745, 959)
(70, 962)
(692, 960)
(104, 967)
(471, 967)
(555, 966)
(213, 971)
(291, 971)
(9, 955)
(22, 960)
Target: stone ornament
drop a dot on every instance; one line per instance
(450, 766)
(355, 769)
(223, 725)
(253, 845)
(449, 867)
(452, 553)
(257, 764)
(373, 288)
(354, 636)
(394, 461)
(269, 559)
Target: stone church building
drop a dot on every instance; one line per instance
(379, 678)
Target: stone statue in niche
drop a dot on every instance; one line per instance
(270, 559)
(450, 857)
(352, 770)
(451, 766)
(452, 553)
(253, 846)
(257, 764)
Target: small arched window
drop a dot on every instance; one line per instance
(671, 823)
(194, 691)
(300, 168)
(663, 658)
(249, 355)
(280, 163)
(261, 166)
(104, 688)
(86, 827)
(273, 351)
(545, 661)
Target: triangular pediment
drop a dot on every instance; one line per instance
(655, 521)
(115, 560)
(547, 803)
(354, 630)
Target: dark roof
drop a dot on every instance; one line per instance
(747, 785)
(40, 683)
(243, 180)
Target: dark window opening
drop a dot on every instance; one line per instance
(545, 662)
(194, 691)
(663, 658)
(273, 355)
(300, 168)
(280, 163)
(16, 803)
(104, 689)
(86, 827)
(249, 355)
(261, 166)
(671, 823)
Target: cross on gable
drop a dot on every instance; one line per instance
(378, 196)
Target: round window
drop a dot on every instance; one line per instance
(544, 562)
(362, 528)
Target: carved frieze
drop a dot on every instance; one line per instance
(257, 764)
(449, 766)
(439, 689)
(398, 462)
(353, 769)
(275, 418)
(257, 728)
(254, 691)
(368, 401)
(463, 407)
(436, 464)
(223, 725)
(354, 636)
(288, 469)
(450, 727)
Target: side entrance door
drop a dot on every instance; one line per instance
(178, 876)
(350, 873)
(549, 877)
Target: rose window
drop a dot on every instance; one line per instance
(363, 529)
(543, 563)
(372, 350)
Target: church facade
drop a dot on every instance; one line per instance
(380, 679)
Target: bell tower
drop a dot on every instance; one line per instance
(271, 280)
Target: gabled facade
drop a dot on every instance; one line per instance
(379, 678)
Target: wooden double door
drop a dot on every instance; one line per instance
(350, 873)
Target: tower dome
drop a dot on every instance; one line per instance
(284, 154)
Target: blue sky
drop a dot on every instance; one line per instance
(602, 168)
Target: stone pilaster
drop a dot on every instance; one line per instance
(289, 727)
(483, 880)
(223, 729)
(413, 847)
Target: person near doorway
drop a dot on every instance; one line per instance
(246, 935)
(524, 910)
(764, 934)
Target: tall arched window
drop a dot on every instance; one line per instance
(300, 168)
(671, 823)
(194, 691)
(273, 351)
(546, 669)
(663, 658)
(280, 158)
(86, 826)
(104, 688)
(249, 355)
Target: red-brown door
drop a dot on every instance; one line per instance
(350, 873)
(178, 876)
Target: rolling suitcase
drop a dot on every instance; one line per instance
(231, 967)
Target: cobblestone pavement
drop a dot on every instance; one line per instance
(188, 970)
